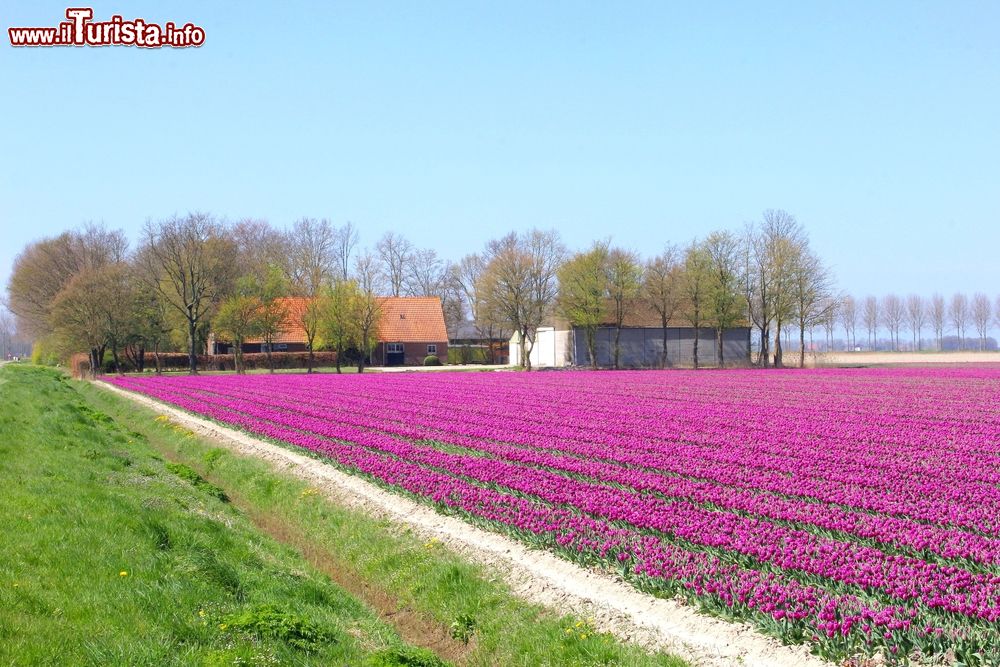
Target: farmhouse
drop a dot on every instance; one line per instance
(410, 328)
(641, 344)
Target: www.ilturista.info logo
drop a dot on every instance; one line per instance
(80, 30)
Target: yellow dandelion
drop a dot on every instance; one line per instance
(569, 631)
(201, 612)
(579, 624)
(123, 573)
(223, 626)
(583, 636)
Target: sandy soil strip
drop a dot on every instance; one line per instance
(536, 576)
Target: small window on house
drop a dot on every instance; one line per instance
(393, 347)
(432, 349)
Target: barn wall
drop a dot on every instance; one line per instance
(642, 347)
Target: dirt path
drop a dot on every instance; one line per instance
(533, 575)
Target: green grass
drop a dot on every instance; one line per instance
(89, 495)
(108, 556)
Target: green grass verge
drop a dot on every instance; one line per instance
(110, 556)
(424, 576)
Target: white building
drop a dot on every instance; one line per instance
(552, 348)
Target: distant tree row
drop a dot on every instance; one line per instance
(912, 316)
(188, 276)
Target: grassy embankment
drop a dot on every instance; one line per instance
(128, 540)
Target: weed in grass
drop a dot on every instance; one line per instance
(188, 474)
(268, 621)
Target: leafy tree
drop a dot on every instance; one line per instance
(340, 316)
(239, 319)
(274, 312)
(583, 284)
(696, 287)
(724, 310)
(367, 308)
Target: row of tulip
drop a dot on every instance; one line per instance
(689, 509)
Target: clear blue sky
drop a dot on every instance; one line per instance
(876, 124)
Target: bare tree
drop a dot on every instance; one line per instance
(7, 331)
(870, 316)
(520, 278)
(849, 320)
(916, 316)
(347, 241)
(996, 311)
(190, 262)
(893, 313)
(314, 251)
(774, 250)
(624, 281)
(958, 311)
(981, 316)
(662, 290)
(937, 312)
(812, 292)
(312, 256)
(467, 277)
(395, 252)
(259, 248)
(830, 318)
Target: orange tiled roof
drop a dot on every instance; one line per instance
(416, 319)
(405, 319)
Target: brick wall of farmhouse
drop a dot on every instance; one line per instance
(413, 353)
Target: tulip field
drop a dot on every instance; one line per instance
(857, 511)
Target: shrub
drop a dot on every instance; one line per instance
(189, 475)
(271, 622)
(408, 656)
(432, 360)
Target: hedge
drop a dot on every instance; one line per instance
(178, 361)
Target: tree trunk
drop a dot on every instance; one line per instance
(765, 346)
(777, 345)
(156, 357)
(802, 347)
(718, 344)
(340, 353)
(591, 347)
(192, 352)
(696, 348)
(309, 363)
(618, 334)
(663, 352)
(364, 352)
(525, 350)
(114, 355)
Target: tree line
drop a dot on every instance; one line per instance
(90, 290)
(948, 321)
